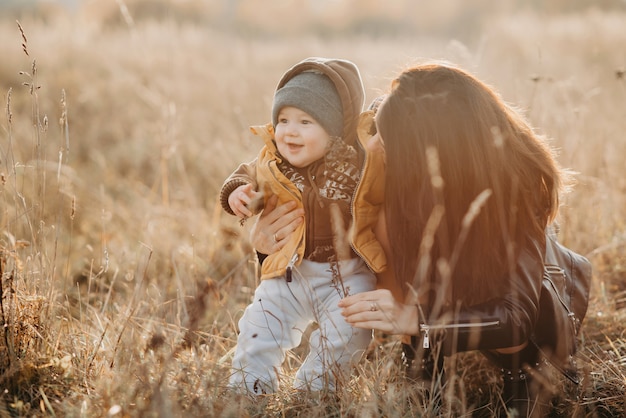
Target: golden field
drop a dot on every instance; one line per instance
(121, 277)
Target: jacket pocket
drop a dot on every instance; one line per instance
(465, 327)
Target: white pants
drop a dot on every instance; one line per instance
(280, 313)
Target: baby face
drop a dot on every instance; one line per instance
(300, 139)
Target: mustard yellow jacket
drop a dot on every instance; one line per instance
(264, 173)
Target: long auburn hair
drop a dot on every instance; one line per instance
(468, 183)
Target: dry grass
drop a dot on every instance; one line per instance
(121, 278)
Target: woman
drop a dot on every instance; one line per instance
(469, 192)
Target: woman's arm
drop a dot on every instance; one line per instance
(500, 323)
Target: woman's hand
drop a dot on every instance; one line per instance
(378, 309)
(274, 226)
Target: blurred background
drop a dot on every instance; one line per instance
(121, 119)
(450, 18)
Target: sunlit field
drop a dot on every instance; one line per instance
(122, 279)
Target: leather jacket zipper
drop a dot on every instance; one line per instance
(549, 270)
(425, 328)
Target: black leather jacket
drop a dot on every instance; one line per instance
(507, 321)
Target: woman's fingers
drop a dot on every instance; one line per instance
(373, 295)
(288, 222)
(275, 225)
(277, 216)
(370, 317)
(379, 310)
(362, 306)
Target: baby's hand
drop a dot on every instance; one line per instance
(240, 200)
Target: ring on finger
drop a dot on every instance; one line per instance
(373, 306)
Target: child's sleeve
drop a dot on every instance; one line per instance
(244, 174)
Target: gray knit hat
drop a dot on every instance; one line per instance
(315, 94)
